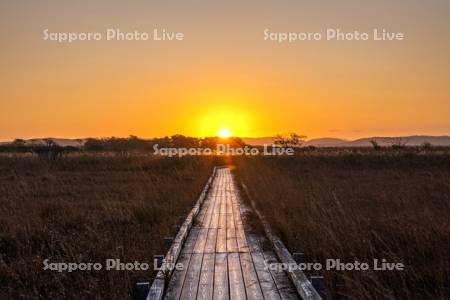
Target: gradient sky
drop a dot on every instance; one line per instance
(224, 74)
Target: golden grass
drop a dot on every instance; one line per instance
(88, 209)
(361, 207)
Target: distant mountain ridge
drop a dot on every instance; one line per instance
(414, 140)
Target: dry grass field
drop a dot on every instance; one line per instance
(361, 206)
(328, 204)
(88, 209)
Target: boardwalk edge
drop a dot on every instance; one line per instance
(304, 287)
(157, 289)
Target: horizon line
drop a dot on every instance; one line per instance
(241, 137)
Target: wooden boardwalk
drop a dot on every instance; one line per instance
(221, 259)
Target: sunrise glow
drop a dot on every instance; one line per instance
(224, 133)
(224, 75)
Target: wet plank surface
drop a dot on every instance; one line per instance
(221, 259)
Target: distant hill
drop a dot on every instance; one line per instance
(325, 142)
(258, 141)
(415, 140)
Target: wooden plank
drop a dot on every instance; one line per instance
(222, 218)
(191, 281)
(284, 285)
(221, 290)
(209, 208)
(231, 235)
(252, 285)
(301, 282)
(298, 278)
(157, 289)
(216, 214)
(239, 228)
(210, 246)
(211, 235)
(241, 239)
(178, 276)
(174, 252)
(254, 244)
(201, 216)
(229, 207)
(192, 278)
(266, 281)
(221, 242)
(223, 205)
(191, 241)
(201, 240)
(185, 283)
(236, 281)
(206, 284)
(224, 262)
(231, 230)
(176, 282)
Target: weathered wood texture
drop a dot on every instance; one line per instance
(158, 287)
(303, 286)
(221, 259)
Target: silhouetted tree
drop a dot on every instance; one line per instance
(375, 144)
(397, 142)
(292, 140)
(50, 150)
(426, 146)
(19, 142)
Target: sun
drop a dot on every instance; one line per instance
(224, 133)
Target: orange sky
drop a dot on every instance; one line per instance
(223, 74)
